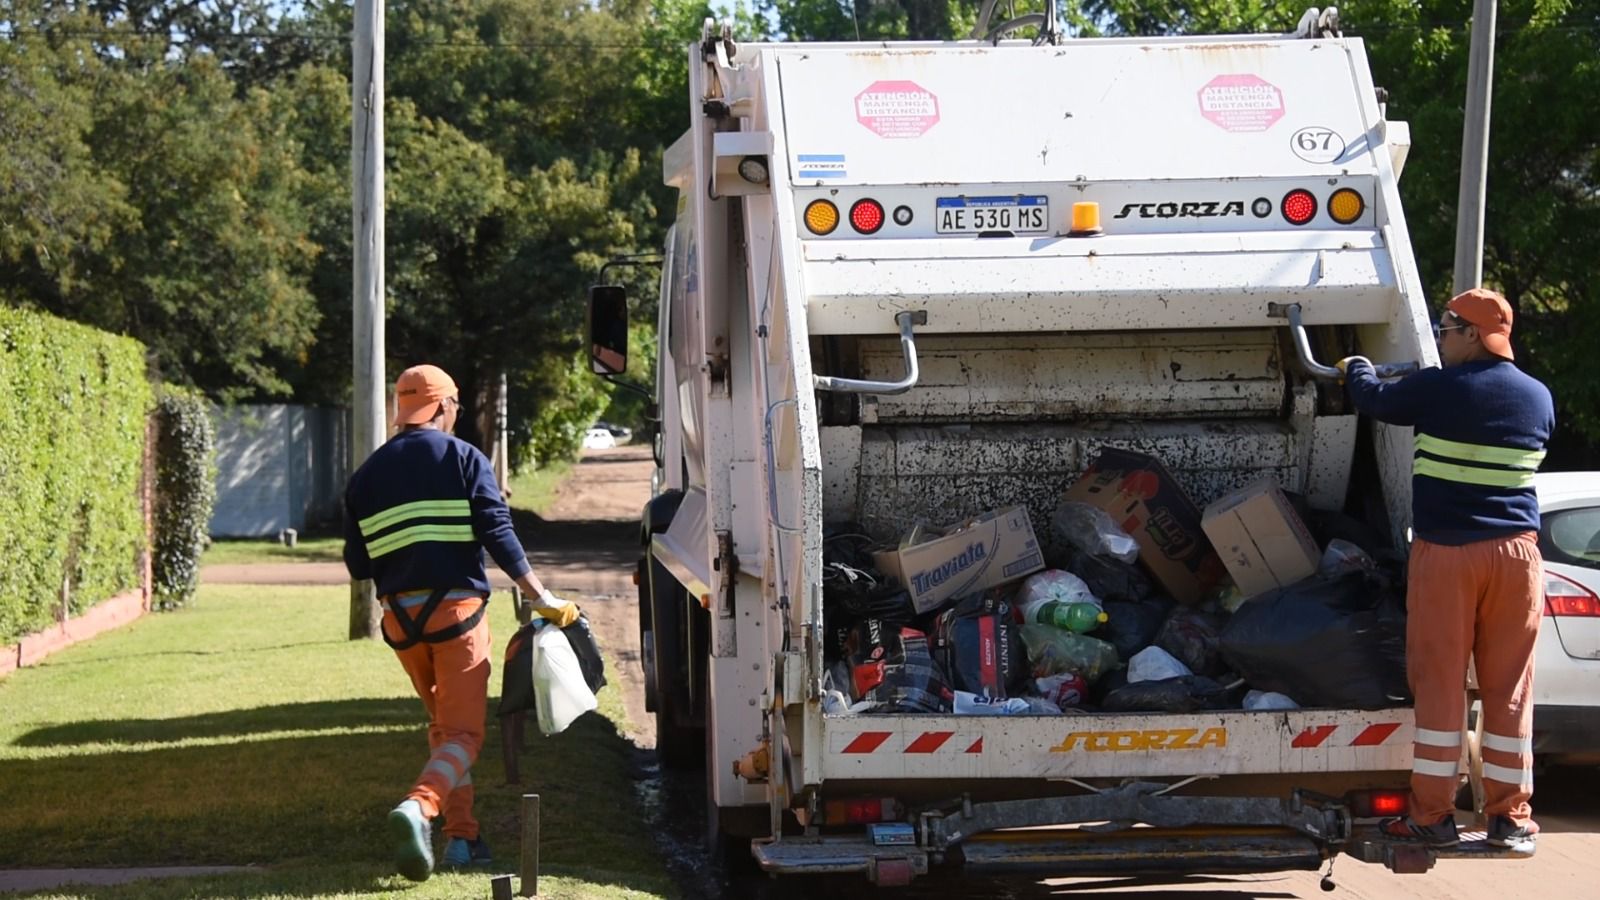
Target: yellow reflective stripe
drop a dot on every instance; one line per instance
(405, 537)
(1472, 475)
(1499, 456)
(415, 510)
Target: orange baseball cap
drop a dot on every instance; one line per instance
(1490, 314)
(418, 392)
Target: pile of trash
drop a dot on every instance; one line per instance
(1146, 604)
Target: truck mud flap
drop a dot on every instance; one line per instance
(1367, 845)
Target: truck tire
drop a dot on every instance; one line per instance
(680, 733)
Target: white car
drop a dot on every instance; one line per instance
(1566, 683)
(598, 439)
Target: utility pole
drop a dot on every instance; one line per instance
(366, 171)
(1475, 150)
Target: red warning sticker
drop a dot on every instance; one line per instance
(1241, 102)
(897, 109)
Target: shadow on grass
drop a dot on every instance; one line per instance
(329, 714)
(310, 808)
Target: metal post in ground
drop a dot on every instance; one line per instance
(530, 846)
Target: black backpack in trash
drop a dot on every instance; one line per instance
(1337, 642)
(516, 676)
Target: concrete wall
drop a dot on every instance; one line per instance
(278, 467)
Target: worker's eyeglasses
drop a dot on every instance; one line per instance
(1439, 330)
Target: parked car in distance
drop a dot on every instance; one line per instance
(1566, 683)
(617, 431)
(598, 439)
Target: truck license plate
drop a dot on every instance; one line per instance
(1018, 214)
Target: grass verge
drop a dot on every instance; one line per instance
(233, 551)
(246, 730)
(535, 489)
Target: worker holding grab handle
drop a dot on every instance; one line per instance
(418, 515)
(1475, 584)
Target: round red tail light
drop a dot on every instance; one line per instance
(1299, 206)
(866, 216)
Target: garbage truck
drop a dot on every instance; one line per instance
(921, 281)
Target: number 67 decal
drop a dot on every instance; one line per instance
(1316, 144)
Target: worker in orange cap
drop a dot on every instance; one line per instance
(1475, 585)
(418, 515)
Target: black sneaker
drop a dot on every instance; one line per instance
(1440, 834)
(1504, 832)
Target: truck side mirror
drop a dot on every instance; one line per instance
(608, 329)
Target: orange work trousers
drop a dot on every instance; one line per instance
(1479, 601)
(452, 678)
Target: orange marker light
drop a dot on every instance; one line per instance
(1346, 206)
(1085, 218)
(822, 217)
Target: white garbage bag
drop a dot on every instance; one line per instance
(559, 690)
(1269, 700)
(1155, 664)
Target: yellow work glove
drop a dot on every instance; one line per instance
(1343, 364)
(554, 609)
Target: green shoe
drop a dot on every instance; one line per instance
(412, 839)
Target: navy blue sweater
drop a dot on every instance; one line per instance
(1473, 422)
(419, 512)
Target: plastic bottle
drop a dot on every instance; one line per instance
(1079, 617)
(559, 690)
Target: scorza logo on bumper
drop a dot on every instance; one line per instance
(1205, 209)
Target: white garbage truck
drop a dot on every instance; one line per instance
(920, 281)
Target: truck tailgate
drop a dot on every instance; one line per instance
(1122, 745)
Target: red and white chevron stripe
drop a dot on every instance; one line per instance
(868, 742)
(1353, 735)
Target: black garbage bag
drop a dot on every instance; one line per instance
(895, 670)
(979, 644)
(853, 591)
(1192, 637)
(516, 676)
(1177, 695)
(1325, 642)
(1108, 578)
(1132, 625)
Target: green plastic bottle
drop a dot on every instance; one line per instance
(1078, 617)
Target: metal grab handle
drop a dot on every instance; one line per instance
(1302, 349)
(908, 347)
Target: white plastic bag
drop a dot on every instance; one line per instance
(1052, 585)
(1155, 664)
(560, 692)
(1269, 700)
(969, 704)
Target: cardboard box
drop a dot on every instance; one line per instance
(982, 552)
(1260, 538)
(1142, 498)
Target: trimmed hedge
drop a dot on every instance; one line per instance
(72, 440)
(186, 491)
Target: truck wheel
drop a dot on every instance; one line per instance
(680, 744)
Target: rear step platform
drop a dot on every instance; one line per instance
(1368, 845)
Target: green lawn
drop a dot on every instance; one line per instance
(228, 551)
(533, 490)
(246, 730)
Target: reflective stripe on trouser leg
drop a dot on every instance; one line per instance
(1508, 629)
(1441, 594)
